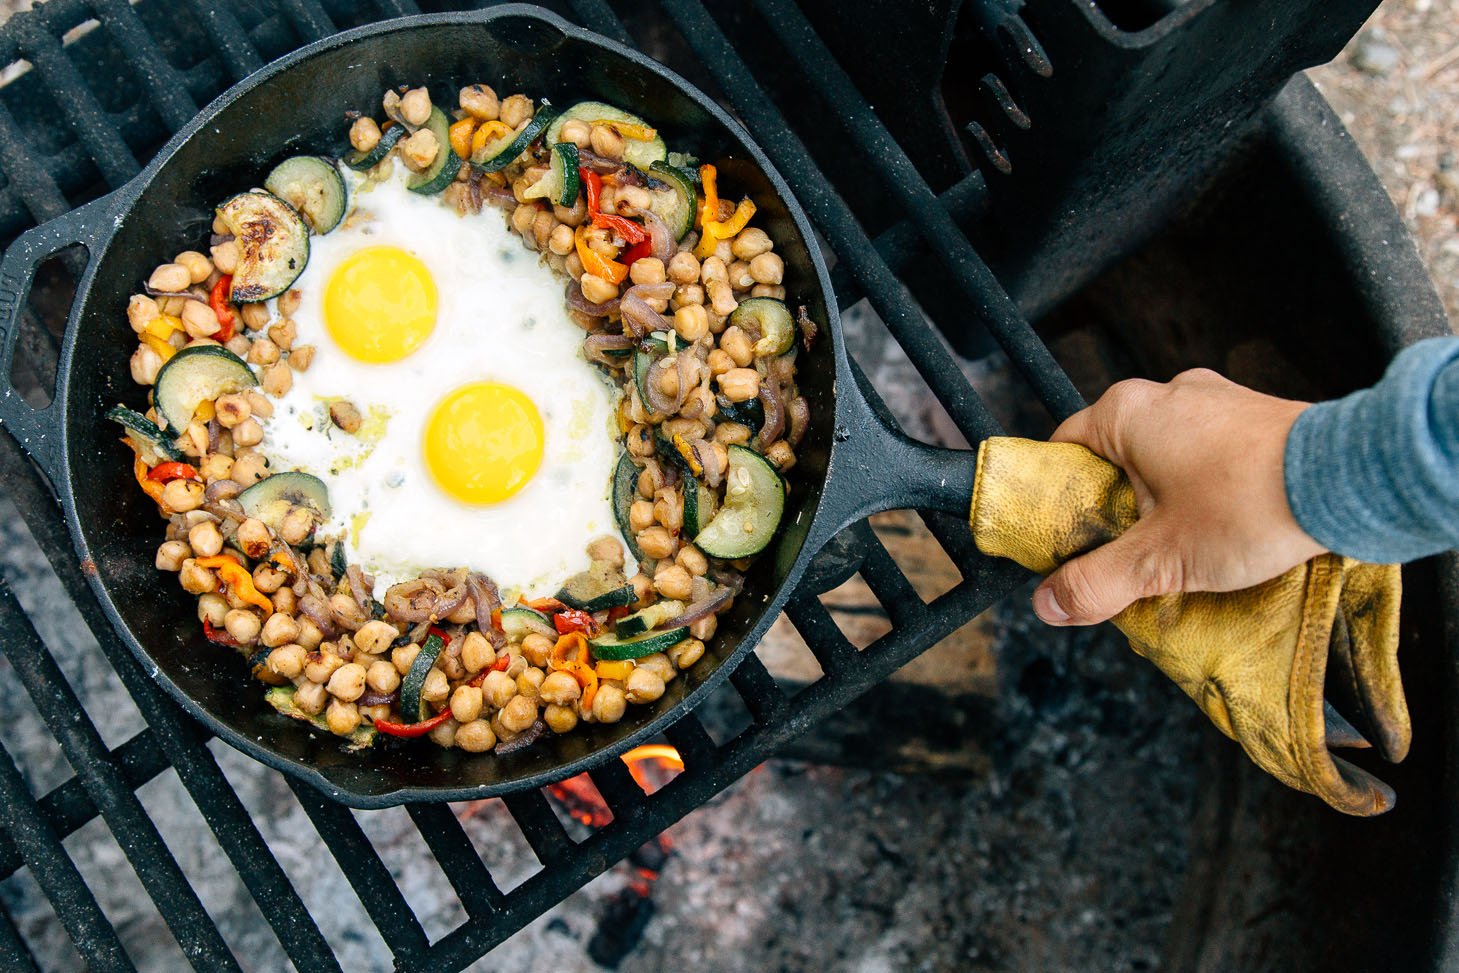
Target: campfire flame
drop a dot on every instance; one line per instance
(651, 766)
(655, 755)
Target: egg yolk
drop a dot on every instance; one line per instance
(380, 304)
(483, 442)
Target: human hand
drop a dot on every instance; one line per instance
(1205, 457)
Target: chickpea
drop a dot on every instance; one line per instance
(231, 409)
(523, 217)
(311, 698)
(560, 719)
(537, 649)
(606, 549)
(247, 433)
(142, 311)
(529, 683)
(519, 713)
(285, 602)
(476, 652)
(382, 677)
(690, 321)
(442, 735)
(196, 579)
(515, 110)
(205, 539)
(144, 365)
(659, 665)
(577, 132)
(781, 455)
(480, 102)
(226, 256)
(668, 378)
(287, 660)
(686, 653)
(259, 404)
(279, 630)
(607, 142)
(364, 134)
(277, 379)
(640, 516)
(643, 686)
(691, 559)
(267, 578)
(673, 581)
(239, 345)
(686, 294)
(596, 289)
(498, 689)
(731, 434)
(631, 200)
(560, 688)
(419, 150)
(740, 384)
(342, 717)
(253, 536)
(298, 524)
(669, 509)
(466, 703)
(415, 106)
(542, 226)
(646, 484)
(719, 362)
(655, 542)
(248, 469)
(283, 333)
(767, 268)
(242, 624)
(721, 297)
(683, 268)
(180, 496)
(561, 241)
(374, 637)
(170, 277)
(768, 290)
(320, 665)
(212, 609)
(703, 629)
(254, 315)
(171, 555)
(609, 704)
(475, 737)
(739, 276)
(750, 243)
(403, 655)
(643, 586)
(199, 320)
(301, 358)
(735, 343)
(647, 270)
(348, 682)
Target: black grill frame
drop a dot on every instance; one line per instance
(42, 187)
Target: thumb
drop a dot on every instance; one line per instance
(1096, 586)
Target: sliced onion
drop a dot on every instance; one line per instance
(638, 317)
(317, 611)
(526, 739)
(702, 608)
(218, 239)
(728, 577)
(186, 295)
(687, 367)
(661, 242)
(451, 601)
(807, 327)
(498, 195)
(473, 186)
(703, 452)
(357, 588)
(578, 302)
(655, 397)
(800, 417)
(213, 432)
(488, 600)
(661, 291)
(595, 344)
(774, 411)
(533, 624)
(222, 490)
(373, 698)
(413, 601)
(602, 165)
(223, 509)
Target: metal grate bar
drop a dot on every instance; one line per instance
(235, 49)
(603, 19)
(178, 737)
(757, 688)
(696, 747)
(164, 84)
(72, 95)
(154, 864)
(832, 649)
(990, 303)
(887, 582)
(888, 295)
(309, 18)
(56, 874)
(397, 8)
(14, 954)
(367, 874)
(68, 806)
(617, 788)
(457, 857)
(540, 826)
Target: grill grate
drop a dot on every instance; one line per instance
(156, 54)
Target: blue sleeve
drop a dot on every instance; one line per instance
(1375, 475)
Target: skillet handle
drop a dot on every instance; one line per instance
(875, 467)
(38, 431)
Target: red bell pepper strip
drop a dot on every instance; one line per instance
(163, 472)
(643, 248)
(445, 639)
(413, 729)
(570, 620)
(592, 187)
(630, 231)
(214, 636)
(218, 301)
(620, 611)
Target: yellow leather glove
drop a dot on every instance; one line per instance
(1255, 660)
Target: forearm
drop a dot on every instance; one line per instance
(1375, 475)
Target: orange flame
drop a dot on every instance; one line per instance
(660, 754)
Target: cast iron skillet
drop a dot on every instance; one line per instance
(850, 463)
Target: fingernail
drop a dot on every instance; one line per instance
(1046, 607)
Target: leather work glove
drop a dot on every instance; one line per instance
(1256, 661)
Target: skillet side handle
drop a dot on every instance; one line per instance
(876, 467)
(38, 431)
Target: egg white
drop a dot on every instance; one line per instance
(500, 318)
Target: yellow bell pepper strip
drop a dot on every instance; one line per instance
(205, 411)
(639, 133)
(687, 452)
(163, 326)
(614, 670)
(158, 345)
(488, 132)
(460, 134)
(709, 206)
(595, 263)
(716, 230)
(236, 576)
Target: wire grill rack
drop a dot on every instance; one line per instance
(108, 82)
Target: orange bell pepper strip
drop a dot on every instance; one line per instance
(163, 472)
(460, 136)
(487, 133)
(709, 206)
(153, 488)
(717, 230)
(614, 670)
(578, 665)
(595, 263)
(639, 133)
(237, 577)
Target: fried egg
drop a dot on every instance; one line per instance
(487, 440)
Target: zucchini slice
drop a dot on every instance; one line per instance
(560, 185)
(612, 648)
(281, 698)
(625, 491)
(700, 506)
(768, 318)
(152, 444)
(271, 498)
(747, 413)
(650, 618)
(636, 152)
(504, 151)
(442, 172)
(599, 588)
(196, 375)
(675, 203)
(521, 621)
(273, 245)
(415, 679)
(754, 500)
(313, 186)
(360, 161)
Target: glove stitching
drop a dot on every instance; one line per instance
(1305, 674)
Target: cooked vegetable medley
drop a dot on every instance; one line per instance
(683, 312)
